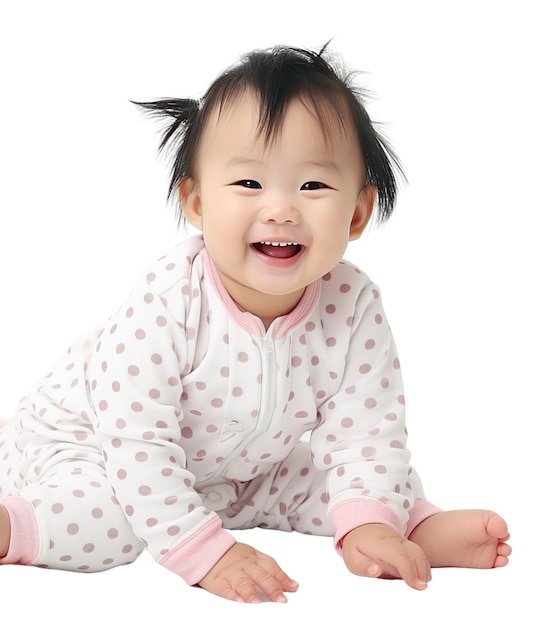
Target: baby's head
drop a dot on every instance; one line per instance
(277, 77)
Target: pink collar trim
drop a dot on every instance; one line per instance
(252, 324)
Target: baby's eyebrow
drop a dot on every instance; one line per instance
(330, 165)
(242, 161)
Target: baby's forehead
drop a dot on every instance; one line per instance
(328, 116)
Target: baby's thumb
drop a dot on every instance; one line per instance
(362, 565)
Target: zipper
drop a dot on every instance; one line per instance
(268, 400)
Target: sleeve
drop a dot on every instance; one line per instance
(136, 391)
(361, 436)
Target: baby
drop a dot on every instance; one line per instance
(184, 414)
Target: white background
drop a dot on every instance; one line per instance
(82, 211)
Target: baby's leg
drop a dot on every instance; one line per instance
(291, 496)
(69, 519)
(472, 538)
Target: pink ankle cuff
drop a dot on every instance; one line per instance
(24, 540)
(421, 510)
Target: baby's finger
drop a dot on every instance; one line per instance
(269, 564)
(413, 567)
(361, 565)
(271, 587)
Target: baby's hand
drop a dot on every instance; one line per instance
(241, 570)
(376, 550)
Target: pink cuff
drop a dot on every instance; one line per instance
(196, 556)
(350, 514)
(421, 510)
(25, 539)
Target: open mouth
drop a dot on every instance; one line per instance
(278, 249)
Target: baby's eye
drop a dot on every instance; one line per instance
(313, 185)
(249, 184)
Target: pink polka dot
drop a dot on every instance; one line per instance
(141, 457)
(130, 312)
(369, 344)
(173, 530)
(397, 444)
(345, 288)
(151, 521)
(72, 529)
(317, 522)
(133, 370)
(401, 399)
(172, 381)
(330, 308)
(120, 348)
(331, 341)
(217, 403)
(396, 363)
(154, 394)
(224, 371)
(380, 469)
(187, 433)
(144, 490)
(116, 386)
(368, 452)
(149, 298)
(137, 407)
(296, 361)
(378, 318)
(103, 405)
(237, 392)
(370, 403)
(310, 326)
(157, 359)
(140, 333)
(243, 357)
(57, 508)
(365, 368)
(88, 547)
(384, 383)
(347, 422)
(151, 277)
(113, 533)
(161, 321)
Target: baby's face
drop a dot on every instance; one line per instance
(275, 217)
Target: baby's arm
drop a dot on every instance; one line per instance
(377, 550)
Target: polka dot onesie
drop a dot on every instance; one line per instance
(181, 418)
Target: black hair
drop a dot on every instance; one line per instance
(278, 75)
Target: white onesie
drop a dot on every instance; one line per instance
(180, 417)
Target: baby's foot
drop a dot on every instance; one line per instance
(472, 538)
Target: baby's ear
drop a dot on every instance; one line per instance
(190, 201)
(363, 211)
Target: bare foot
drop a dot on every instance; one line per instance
(472, 538)
(4, 531)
